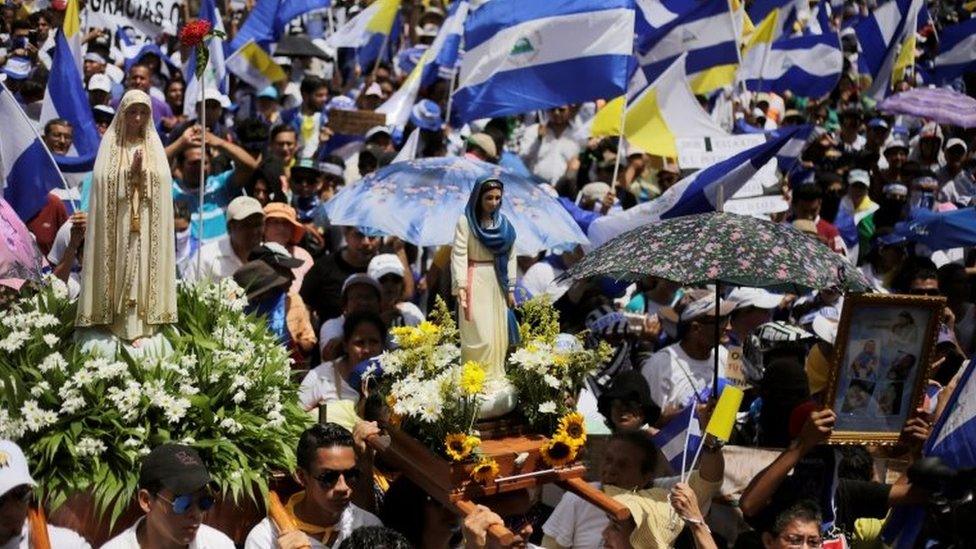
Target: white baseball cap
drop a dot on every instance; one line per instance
(215, 95)
(243, 207)
(755, 297)
(101, 82)
(14, 471)
(384, 264)
(705, 306)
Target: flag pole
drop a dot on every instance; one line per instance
(738, 45)
(620, 142)
(379, 56)
(450, 91)
(203, 161)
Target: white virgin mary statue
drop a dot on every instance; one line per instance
(129, 271)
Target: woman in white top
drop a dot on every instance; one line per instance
(364, 337)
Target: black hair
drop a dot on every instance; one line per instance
(321, 435)
(375, 537)
(487, 185)
(280, 129)
(181, 210)
(641, 441)
(855, 463)
(404, 507)
(355, 319)
(311, 84)
(925, 273)
(804, 511)
(252, 133)
(56, 122)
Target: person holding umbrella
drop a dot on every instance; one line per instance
(679, 372)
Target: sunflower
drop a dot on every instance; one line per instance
(558, 451)
(459, 445)
(574, 427)
(472, 378)
(485, 470)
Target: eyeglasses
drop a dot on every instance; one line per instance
(330, 477)
(22, 494)
(797, 540)
(181, 504)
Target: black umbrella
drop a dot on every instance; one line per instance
(294, 45)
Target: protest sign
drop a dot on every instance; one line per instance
(354, 122)
(148, 17)
(701, 152)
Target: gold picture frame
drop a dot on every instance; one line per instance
(882, 360)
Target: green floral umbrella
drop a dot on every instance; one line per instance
(722, 248)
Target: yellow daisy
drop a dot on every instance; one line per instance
(485, 470)
(574, 427)
(558, 450)
(472, 378)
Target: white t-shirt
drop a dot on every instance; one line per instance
(576, 523)
(264, 535)
(207, 538)
(218, 261)
(674, 377)
(323, 384)
(61, 538)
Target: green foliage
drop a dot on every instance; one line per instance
(85, 421)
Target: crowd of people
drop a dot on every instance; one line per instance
(331, 293)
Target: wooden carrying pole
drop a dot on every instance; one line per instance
(38, 528)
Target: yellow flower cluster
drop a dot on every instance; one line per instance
(485, 470)
(459, 445)
(472, 379)
(564, 446)
(412, 337)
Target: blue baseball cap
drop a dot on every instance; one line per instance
(878, 123)
(426, 115)
(270, 92)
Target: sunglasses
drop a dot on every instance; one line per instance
(22, 494)
(924, 291)
(330, 477)
(182, 504)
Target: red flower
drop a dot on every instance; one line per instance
(193, 33)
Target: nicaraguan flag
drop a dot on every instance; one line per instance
(446, 48)
(698, 193)
(215, 74)
(679, 439)
(397, 108)
(671, 439)
(523, 56)
(267, 21)
(957, 51)
(881, 35)
(29, 170)
(952, 440)
(706, 34)
(808, 66)
(654, 14)
(66, 98)
(787, 12)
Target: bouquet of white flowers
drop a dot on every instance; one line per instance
(85, 420)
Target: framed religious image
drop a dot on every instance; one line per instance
(882, 361)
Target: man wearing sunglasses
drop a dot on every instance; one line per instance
(174, 493)
(331, 463)
(16, 494)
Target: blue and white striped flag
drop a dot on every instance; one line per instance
(707, 34)
(29, 170)
(698, 193)
(881, 36)
(808, 66)
(672, 438)
(66, 98)
(957, 51)
(524, 56)
(952, 440)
